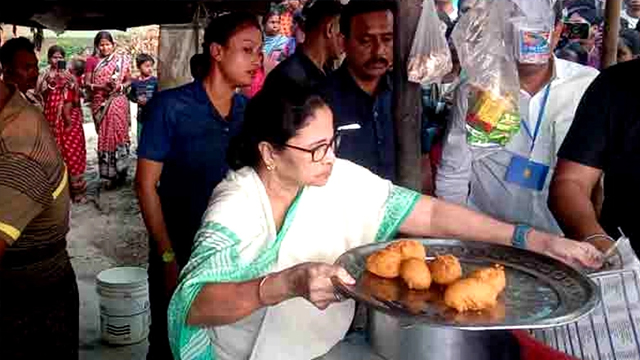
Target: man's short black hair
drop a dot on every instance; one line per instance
(358, 7)
(143, 58)
(586, 9)
(631, 39)
(315, 12)
(9, 50)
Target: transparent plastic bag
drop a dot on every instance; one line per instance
(430, 57)
(484, 41)
(532, 31)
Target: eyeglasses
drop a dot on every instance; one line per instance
(319, 152)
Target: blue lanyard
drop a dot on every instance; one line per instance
(534, 136)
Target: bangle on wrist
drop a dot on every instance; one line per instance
(519, 238)
(260, 297)
(599, 236)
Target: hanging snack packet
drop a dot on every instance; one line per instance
(493, 119)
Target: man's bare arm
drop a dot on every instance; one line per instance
(570, 199)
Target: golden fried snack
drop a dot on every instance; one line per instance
(494, 276)
(492, 315)
(385, 263)
(409, 249)
(415, 274)
(380, 288)
(445, 269)
(416, 301)
(470, 294)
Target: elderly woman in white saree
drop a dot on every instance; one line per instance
(258, 283)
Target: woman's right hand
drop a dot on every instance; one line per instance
(569, 251)
(313, 282)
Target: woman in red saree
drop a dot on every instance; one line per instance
(61, 96)
(110, 108)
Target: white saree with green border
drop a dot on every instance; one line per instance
(238, 242)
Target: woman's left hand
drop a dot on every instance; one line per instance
(568, 251)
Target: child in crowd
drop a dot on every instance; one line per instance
(628, 45)
(77, 69)
(274, 50)
(144, 87)
(275, 44)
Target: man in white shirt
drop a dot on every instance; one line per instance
(631, 12)
(549, 95)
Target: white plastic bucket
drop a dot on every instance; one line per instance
(124, 305)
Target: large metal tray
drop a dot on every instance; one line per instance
(541, 292)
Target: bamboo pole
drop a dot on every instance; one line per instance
(611, 29)
(609, 57)
(406, 98)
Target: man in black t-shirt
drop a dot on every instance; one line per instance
(305, 69)
(604, 138)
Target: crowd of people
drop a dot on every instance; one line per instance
(280, 156)
(103, 81)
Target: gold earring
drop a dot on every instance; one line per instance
(269, 167)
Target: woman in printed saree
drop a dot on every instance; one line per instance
(258, 283)
(110, 108)
(61, 94)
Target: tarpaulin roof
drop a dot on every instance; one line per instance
(113, 14)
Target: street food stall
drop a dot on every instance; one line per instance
(583, 315)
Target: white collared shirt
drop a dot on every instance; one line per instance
(633, 22)
(475, 176)
(454, 14)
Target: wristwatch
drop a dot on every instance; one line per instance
(168, 256)
(520, 233)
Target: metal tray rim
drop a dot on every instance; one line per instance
(578, 313)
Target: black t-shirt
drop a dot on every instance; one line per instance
(606, 135)
(295, 73)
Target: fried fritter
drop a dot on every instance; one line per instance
(415, 274)
(494, 314)
(416, 301)
(470, 294)
(380, 288)
(385, 263)
(445, 269)
(494, 276)
(409, 249)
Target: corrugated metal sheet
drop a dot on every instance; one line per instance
(63, 15)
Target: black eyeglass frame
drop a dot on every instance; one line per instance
(322, 149)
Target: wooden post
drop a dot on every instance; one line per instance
(609, 57)
(611, 30)
(407, 98)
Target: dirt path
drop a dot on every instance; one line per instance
(105, 232)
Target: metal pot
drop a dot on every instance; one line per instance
(394, 339)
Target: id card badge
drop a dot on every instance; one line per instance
(527, 173)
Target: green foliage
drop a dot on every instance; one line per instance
(71, 46)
